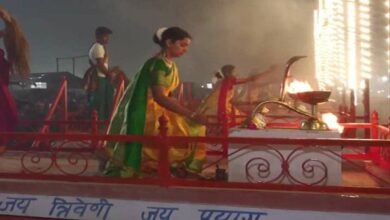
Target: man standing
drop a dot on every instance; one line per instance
(101, 97)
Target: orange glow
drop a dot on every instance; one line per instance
(331, 120)
(299, 86)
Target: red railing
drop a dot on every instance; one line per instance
(90, 144)
(164, 177)
(62, 94)
(62, 98)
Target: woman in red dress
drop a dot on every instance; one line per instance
(16, 62)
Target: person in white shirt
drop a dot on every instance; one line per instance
(101, 97)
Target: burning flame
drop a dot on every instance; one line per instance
(331, 120)
(298, 86)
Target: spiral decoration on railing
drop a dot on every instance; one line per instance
(77, 164)
(262, 170)
(37, 162)
(276, 167)
(65, 157)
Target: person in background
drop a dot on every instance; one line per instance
(13, 60)
(101, 90)
(145, 100)
(218, 102)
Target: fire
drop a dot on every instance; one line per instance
(331, 120)
(298, 86)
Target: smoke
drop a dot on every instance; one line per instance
(250, 34)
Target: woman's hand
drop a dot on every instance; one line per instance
(201, 119)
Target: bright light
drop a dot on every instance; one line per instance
(362, 84)
(209, 85)
(348, 41)
(366, 75)
(385, 78)
(366, 61)
(365, 30)
(366, 68)
(363, 8)
(351, 38)
(365, 37)
(366, 53)
(39, 85)
(365, 23)
(366, 2)
(331, 120)
(298, 86)
(365, 45)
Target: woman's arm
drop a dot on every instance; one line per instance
(169, 103)
(173, 105)
(254, 77)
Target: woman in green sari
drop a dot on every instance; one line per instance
(144, 101)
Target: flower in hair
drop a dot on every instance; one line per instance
(160, 32)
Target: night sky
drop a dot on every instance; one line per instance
(252, 34)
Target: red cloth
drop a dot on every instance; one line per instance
(226, 86)
(8, 112)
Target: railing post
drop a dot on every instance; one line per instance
(225, 124)
(366, 104)
(163, 166)
(65, 105)
(374, 151)
(352, 113)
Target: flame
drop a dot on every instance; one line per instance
(331, 120)
(298, 86)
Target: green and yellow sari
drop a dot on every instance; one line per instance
(137, 114)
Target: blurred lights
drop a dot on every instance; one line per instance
(347, 44)
(351, 45)
(366, 2)
(39, 85)
(366, 76)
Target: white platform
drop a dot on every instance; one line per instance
(263, 163)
